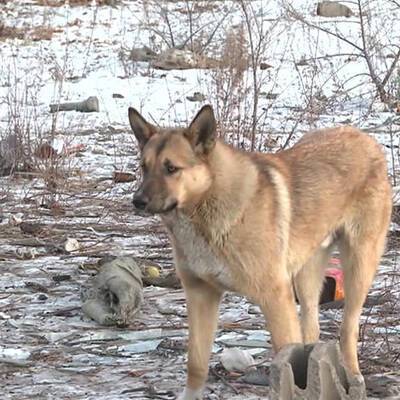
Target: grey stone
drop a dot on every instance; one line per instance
(333, 9)
(144, 54)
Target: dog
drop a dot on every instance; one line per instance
(264, 226)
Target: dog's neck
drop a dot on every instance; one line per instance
(230, 193)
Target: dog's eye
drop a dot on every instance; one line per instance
(171, 169)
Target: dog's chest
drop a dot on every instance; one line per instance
(198, 257)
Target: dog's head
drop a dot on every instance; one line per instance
(174, 162)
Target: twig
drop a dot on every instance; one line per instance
(223, 380)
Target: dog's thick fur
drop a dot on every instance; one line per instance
(258, 223)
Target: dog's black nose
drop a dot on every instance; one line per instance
(140, 202)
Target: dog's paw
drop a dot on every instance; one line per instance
(190, 394)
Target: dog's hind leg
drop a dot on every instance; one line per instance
(361, 247)
(308, 285)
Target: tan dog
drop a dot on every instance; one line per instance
(254, 223)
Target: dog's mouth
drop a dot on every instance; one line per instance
(148, 211)
(169, 208)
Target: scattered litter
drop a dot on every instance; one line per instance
(152, 271)
(115, 294)
(141, 347)
(237, 360)
(15, 220)
(14, 353)
(71, 245)
(256, 376)
(61, 277)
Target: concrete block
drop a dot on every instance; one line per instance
(313, 372)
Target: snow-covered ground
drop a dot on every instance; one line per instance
(316, 80)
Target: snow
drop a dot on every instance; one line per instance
(67, 357)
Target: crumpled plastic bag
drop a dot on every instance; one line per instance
(115, 294)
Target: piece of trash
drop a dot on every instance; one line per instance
(15, 363)
(71, 245)
(313, 371)
(152, 271)
(140, 347)
(116, 292)
(256, 376)
(15, 354)
(15, 220)
(91, 104)
(170, 280)
(26, 254)
(165, 307)
(61, 277)
(69, 150)
(123, 177)
(237, 360)
(336, 275)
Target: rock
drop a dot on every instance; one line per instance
(32, 228)
(265, 65)
(182, 59)
(117, 96)
(333, 9)
(313, 372)
(197, 96)
(144, 54)
(236, 360)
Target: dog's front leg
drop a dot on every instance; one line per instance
(202, 305)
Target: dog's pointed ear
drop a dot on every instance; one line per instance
(202, 131)
(140, 127)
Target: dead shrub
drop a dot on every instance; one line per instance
(11, 32)
(228, 84)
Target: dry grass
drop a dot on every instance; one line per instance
(75, 3)
(35, 34)
(11, 32)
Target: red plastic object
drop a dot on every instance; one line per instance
(337, 275)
